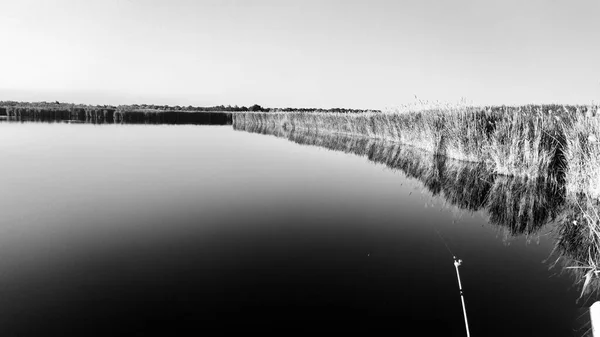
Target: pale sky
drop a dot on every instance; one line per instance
(302, 53)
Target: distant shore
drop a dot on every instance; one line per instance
(6, 107)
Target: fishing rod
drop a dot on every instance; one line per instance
(457, 263)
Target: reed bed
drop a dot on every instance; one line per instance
(551, 142)
(578, 243)
(582, 155)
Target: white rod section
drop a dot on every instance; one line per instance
(595, 318)
(462, 298)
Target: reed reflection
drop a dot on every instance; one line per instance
(114, 116)
(518, 206)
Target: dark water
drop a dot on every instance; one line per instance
(125, 230)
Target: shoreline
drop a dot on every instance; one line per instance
(513, 205)
(529, 142)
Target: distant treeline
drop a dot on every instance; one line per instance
(4, 105)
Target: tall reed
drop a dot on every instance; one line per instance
(578, 242)
(582, 155)
(511, 141)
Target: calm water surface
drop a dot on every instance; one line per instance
(172, 229)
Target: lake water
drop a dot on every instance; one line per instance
(114, 229)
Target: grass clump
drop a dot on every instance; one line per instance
(582, 155)
(522, 142)
(578, 243)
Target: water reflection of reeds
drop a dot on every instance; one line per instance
(115, 116)
(519, 206)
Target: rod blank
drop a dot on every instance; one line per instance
(457, 263)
